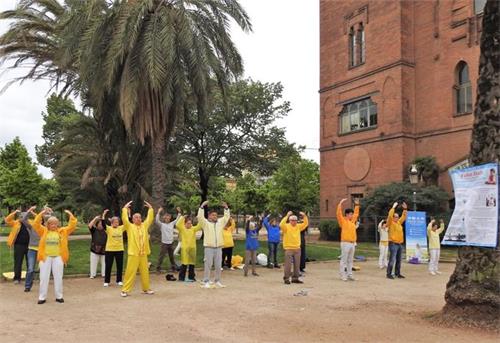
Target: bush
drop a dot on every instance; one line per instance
(329, 230)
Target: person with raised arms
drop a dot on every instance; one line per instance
(97, 229)
(433, 232)
(291, 243)
(213, 241)
(167, 226)
(138, 248)
(273, 240)
(19, 240)
(383, 244)
(187, 233)
(396, 240)
(53, 252)
(348, 238)
(227, 250)
(114, 249)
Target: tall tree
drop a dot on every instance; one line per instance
(473, 291)
(155, 54)
(239, 133)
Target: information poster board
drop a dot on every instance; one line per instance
(416, 237)
(475, 218)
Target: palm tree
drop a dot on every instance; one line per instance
(473, 291)
(156, 54)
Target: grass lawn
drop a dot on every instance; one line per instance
(320, 251)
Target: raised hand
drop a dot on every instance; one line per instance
(68, 212)
(127, 205)
(178, 209)
(205, 203)
(441, 221)
(147, 204)
(302, 214)
(395, 205)
(343, 201)
(404, 206)
(31, 209)
(160, 210)
(356, 202)
(224, 204)
(289, 213)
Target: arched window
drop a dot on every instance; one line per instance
(358, 115)
(361, 43)
(352, 47)
(463, 91)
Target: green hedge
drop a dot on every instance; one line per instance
(329, 230)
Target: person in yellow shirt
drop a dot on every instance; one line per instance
(291, 243)
(114, 249)
(53, 253)
(187, 233)
(396, 240)
(433, 233)
(138, 248)
(227, 249)
(348, 238)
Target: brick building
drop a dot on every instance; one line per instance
(397, 81)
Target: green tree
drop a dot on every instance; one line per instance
(431, 199)
(473, 291)
(20, 183)
(61, 113)
(294, 187)
(153, 55)
(238, 134)
(428, 169)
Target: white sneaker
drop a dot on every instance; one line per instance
(106, 284)
(92, 277)
(124, 294)
(438, 272)
(120, 283)
(351, 278)
(206, 285)
(219, 284)
(432, 273)
(148, 292)
(344, 278)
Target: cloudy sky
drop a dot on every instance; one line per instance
(284, 46)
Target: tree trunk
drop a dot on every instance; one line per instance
(204, 178)
(473, 291)
(158, 178)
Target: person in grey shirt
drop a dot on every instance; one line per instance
(167, 237)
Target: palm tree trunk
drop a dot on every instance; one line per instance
(158, 170)
(473, 291)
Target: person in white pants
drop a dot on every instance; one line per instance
(383, 244)
(433, 233)
(97, 228)
(348, 238)
(53, 252)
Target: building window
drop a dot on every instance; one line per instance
(361, 43)
(352, 48)
(358, 115)
(326, 205)
(479, 6)
(463, 90)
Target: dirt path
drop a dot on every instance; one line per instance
(253, 309)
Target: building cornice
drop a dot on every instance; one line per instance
(368, 73)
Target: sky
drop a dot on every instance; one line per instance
(284, 47)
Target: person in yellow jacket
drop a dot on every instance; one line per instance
(291, 243)
(227, 249)
(433, 233)
(213, 241)
(348, 238)
(114, 249)
(138, 248)
(396, 240)
(187, 233)
(53, 252)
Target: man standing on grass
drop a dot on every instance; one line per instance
(291, 243)
(167, 237)
(213, 241)
(348, 238)
(396, 239)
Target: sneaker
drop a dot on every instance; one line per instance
(277, 266)
(400, 276)
(206, 285)
(92, 277)
(219, 284)
(297, 281)
(40, 302)
(270, 266)
(119, 283)
(232, 268)
(189, 280)
(390, 277)
(381, 267)
(16, 282)
(438, 272)
(124, 294)
(351, 278)
(344, 278)
(432, 273)
(106, 284)
(148, 292)
(255, 274)
(287, 282)
(60, 301)
(27, 290)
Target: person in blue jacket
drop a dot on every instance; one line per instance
(273, 240)
(251, 245)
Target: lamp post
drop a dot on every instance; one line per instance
(413, 174)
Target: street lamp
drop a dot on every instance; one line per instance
(414, 181)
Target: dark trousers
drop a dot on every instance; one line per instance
(164, 250)
(303, 250)
(273, 253)
(182, 272)
(227, 256)
(395, 251)
(109, 257)
(20, 254)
